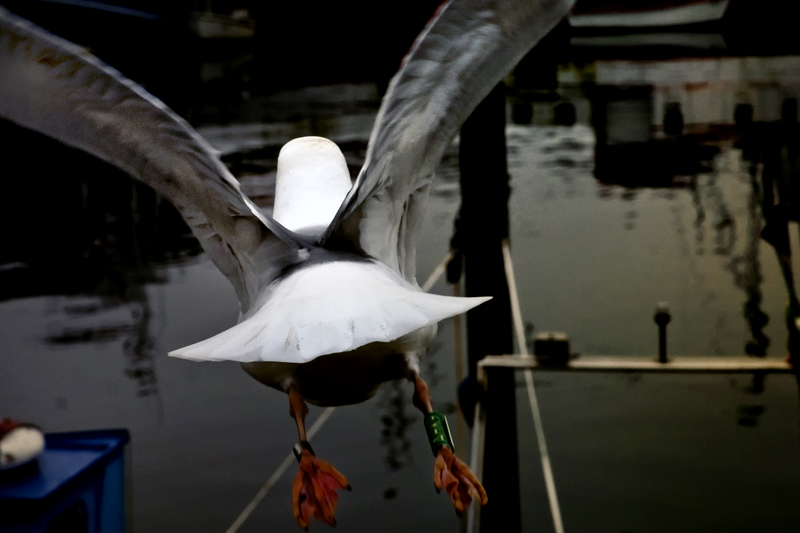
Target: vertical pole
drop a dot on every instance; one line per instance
(483, 226)
(459, 356)
(662, 318)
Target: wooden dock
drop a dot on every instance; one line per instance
(494, 364)
(678, 364)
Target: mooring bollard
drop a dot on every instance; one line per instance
(662, 318)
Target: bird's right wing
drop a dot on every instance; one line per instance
(464, 51)
(56, 88)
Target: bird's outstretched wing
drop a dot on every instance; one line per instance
(464, 51)
(56, 88)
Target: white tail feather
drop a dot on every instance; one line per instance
(331, 307)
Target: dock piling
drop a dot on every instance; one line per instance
(482, 227)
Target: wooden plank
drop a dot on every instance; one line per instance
(682, 364)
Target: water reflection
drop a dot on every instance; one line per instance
(774, 153)
(139, 348)
(747, 275)
(94, 241)
(707, 192)
(89, 321)
(695, 123)
(398, 418)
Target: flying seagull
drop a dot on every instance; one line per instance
(329, 304)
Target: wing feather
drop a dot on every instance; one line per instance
(54, 87)
(466, 49)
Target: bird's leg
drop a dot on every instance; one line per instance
(298, 410)
(449, 472)
(314, 491)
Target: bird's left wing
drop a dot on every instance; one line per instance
(56, 88)
(464, 51)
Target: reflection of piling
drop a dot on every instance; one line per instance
(483, 226)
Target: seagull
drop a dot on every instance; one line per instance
(329, 305)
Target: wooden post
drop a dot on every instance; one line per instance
(482, 228)
(662, 318)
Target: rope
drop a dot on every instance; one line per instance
(245, 514)
(537, 416)
(326, 414)
(437, 273)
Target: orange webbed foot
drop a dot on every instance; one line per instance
(453, 475)
(314, 492)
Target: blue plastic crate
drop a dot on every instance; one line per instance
(79, 486)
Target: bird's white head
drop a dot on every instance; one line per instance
(311, 183)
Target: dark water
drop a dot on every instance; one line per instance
(613, 210)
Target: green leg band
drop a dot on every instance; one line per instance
(438, 432)
(300, 447)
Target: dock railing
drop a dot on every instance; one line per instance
(527, 363)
